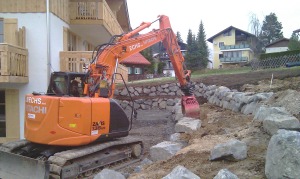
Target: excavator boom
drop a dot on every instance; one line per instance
(106, 62)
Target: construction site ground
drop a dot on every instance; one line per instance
(218, 125)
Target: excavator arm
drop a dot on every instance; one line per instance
(101, 79)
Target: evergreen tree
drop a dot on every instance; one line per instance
(271, 29)
(189, 39)
(202, 47)
(192, 54)
(147, 53)
(294, 43)
(178, 35)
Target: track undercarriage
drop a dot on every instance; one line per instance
(64, 163)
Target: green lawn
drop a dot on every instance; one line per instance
(208, 72)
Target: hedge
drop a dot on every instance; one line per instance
(279, 54)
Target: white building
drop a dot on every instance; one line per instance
(37, 37)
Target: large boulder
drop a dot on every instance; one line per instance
(177, 137)
(250, 108)
(233, 149)
(107, 173)
(283, 155)
(225, 174)
(264, 111)
(187, 125)
(164, 150)
(181, 172)
(276, 121)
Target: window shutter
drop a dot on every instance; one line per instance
(10, 29)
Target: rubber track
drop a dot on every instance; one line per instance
(58, 160)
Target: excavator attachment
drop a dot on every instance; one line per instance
(190, 106)
(17, 166)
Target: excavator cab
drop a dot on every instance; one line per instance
(66, 84)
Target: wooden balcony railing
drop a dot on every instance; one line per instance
(13, 64)
(94, 12)
(78, 61)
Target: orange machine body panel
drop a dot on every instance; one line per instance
(65, 121)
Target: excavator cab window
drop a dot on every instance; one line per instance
(59, 85)
(76, 85)
(66, 84)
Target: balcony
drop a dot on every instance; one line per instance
(234, 47)
(13, 64)
(78, 61)
(234, 59)
(96, 13)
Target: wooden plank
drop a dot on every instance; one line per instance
(23, 37)
(21, 6)
(14, 79)
(4, 64)
(66, 16)
(2, 6)
(26, 65)
(41, 6)
(14, 6)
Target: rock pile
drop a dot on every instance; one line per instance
(284, 147)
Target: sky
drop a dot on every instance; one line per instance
(216, 15)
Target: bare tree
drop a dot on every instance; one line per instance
(254, 24)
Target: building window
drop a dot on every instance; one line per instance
(2, 114)
(221, 44)
(129, 70)
(137, 71)
(1, 31)
(72, 41)
(233, 54)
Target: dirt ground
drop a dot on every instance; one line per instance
(218, 126)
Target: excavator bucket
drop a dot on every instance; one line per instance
(190, 106)
(17, 166)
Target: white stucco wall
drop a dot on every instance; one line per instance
(36, 43)
(276, 49)
(56, 42)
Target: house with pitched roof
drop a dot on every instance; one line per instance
(232, 47)
(41, 36)
(136, 64)
(280, 45)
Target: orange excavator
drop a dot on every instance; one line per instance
(77, 128)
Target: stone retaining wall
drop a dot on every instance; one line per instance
(167, 95)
